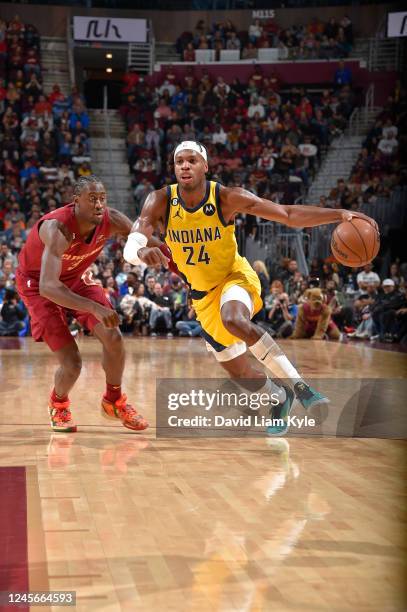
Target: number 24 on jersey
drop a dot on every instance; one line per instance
(203, 256)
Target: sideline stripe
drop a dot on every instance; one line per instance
(13, 533)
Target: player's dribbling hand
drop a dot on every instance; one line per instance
(348, 215)
(153, 256)
(107, 316)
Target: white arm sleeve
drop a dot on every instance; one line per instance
(135, 241)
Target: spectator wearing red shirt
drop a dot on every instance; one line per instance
(56, 95)
(131, 80)
(3, 93)
(189, 53)
(42, 106)
(32, 63)
(304, 107)
(171, 77)
(257, 77)
(275, 82)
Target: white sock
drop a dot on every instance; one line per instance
(271, 388)
(267, 351)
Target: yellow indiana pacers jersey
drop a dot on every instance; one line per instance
(202, 245)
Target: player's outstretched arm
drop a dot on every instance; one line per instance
(152, 217)
(56, 241)
(236, 200)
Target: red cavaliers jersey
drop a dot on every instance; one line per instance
(78, 256)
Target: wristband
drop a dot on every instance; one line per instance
(135, 242)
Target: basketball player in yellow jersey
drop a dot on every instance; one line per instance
(196, 217)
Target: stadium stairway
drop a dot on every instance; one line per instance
(109, 157)
(166, 53)
(342, 155)
(337, 164)
(54, 62)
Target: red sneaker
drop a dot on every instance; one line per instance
(128, 415)
(61, 417)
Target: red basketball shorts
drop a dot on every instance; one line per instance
(48, 320)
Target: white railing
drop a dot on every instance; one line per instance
(361, 117)
(384, 54)
(273, 242)
(141, 56)
(369, 98)
(108, 137)
(354, 122)
(70, 46)
(152, 54)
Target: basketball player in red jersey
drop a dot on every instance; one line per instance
(51, 278)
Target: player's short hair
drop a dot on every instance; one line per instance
(83, 182)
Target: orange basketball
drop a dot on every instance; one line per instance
(355, 243)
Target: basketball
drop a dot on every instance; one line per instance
(355, 243)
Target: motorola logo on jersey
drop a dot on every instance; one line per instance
(209, 210)
(174, 202)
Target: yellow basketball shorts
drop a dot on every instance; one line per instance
(208, 307)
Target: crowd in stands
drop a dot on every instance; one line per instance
(316, 40)
(382, 163)
(153, 301)
(362, 306)
(44, 135)
(257, 136)
(44, 144)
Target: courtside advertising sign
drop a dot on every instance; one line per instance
(103, 29)
(397, 24)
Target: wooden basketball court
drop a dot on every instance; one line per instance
(131, 522)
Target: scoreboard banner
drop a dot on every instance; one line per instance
(103, 29)
(397, 24)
